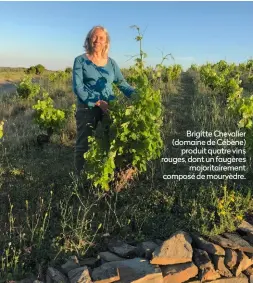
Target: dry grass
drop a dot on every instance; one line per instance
(16, 76)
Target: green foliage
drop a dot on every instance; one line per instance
(59, 76)
(218, 76)
(223, 78)
(214, 211)
(31, 70)
(249, 65)
(46, 116)
(194, 67)
(209, 76)
(242, 67)
(135, 133)
(173, 72)
(39, 69)
(26, 89)
(68, 70)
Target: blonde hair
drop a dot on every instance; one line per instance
(87, 43)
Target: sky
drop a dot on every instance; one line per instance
(53, 33)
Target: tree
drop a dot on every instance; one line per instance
(31, 70)
(39, 69)
(68, 70)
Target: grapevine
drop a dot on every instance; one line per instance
(28, 90)
(47, 117)
(226, 80)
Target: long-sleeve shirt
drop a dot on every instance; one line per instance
(92, 83)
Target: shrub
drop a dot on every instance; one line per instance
(48, 117)
(39, 69)
(68, 70)
(26, 89)
(214, 211)
(31, 70)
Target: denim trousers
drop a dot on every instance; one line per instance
(86, 122)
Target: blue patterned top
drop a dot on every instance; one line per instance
(92, 83)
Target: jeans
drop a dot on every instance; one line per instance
(86, 122)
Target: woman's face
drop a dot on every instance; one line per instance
(98, 40)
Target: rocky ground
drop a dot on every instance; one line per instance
(184, 257)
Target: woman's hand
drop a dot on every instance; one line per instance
(103, 105)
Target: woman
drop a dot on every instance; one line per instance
(93, 75)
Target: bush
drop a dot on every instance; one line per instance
(31, 70)
(68, 70)
(213, 211)
(39, 69)
(48, 117)
(59, 76)
(26, 89)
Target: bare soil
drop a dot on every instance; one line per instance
(7, 86)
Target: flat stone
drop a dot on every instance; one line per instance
(202, 259)
(178, 273)
(207, 246)
(242, 275)
(150, 278)
(248, 238)
(223, 242)
(231, 280)
(209, 274)
(90, 261)
(243, 263)
(249, 271)
(122, 249)
(177, 249)
(146, 249)
(159, 242)
(250, 256)
(79, 275)
(72, 263)
(242, 244)
(220, 266)
(108, 256)
(106, 275)
(203, 262)
(246, 227)
(230, 258)
(130, 269)
(56, 276)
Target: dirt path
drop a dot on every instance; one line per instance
(179, 110)
(7, 86)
